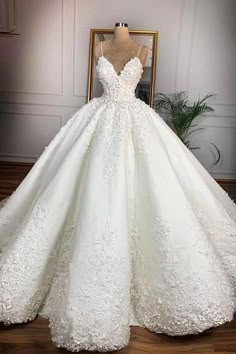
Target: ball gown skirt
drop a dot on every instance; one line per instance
(117, 224)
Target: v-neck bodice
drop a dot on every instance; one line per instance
(119, 87)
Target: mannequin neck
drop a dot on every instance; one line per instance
(121, 34)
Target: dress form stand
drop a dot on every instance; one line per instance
(137, 55)
(121, 48)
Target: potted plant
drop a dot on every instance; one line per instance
(181, 114)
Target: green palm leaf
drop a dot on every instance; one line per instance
(181, 113)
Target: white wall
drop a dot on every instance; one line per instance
(44, 70)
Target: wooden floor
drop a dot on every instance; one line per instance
(11, 174)
(34, 337)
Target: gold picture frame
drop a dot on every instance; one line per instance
(146, 87)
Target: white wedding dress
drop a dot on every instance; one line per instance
(117, 224)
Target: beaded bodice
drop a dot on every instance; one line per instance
(119, 86)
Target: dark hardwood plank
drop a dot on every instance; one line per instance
(34, 337)
(11, 175)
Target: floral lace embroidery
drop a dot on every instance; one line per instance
(102, 297)
(21, 294)
(169, 292)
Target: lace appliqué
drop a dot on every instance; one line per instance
(99, 312)
(169, 292)
(22, 292)
(221, 235)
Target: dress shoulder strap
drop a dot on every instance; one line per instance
(139, 50)
(101, 48)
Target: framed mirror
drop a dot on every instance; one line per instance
(146, 86)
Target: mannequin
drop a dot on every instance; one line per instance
(121, 48)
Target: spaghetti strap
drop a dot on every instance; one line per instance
(101, 48)
(139, 50)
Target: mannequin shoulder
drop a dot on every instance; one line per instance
(97, 48)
